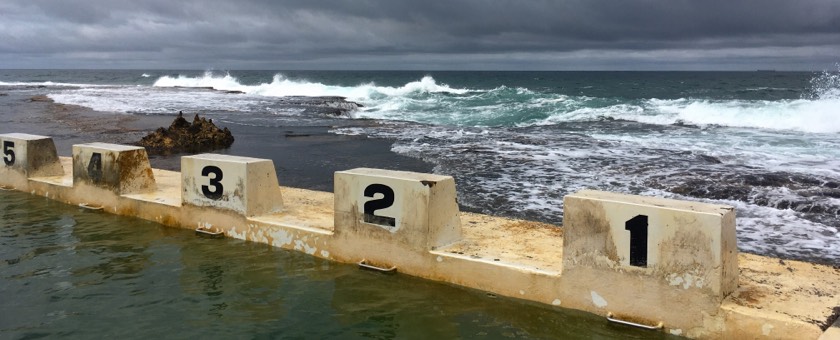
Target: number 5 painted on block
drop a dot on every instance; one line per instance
(8, 152)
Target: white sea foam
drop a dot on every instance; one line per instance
(806, 115)
(792, 151)
(137, 99)
(527, 172)
(819, 116)
(783, 233)
(826, 85)
(281, 86)
(778, 135)
(209, 80)
(427, 101)
(48, 84)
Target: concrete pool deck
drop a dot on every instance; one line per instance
(778, 299)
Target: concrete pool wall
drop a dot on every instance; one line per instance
(669, 265)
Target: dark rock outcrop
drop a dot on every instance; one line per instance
(41, 98)
(182, 136)
(780, 190)
(324, 105)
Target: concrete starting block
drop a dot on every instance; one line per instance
(245, 185)
(647, 257)
(26, 156)
(121, 169)
(417, 210)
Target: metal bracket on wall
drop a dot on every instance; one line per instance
(610, 318)
(364, 265)
(209, 232)
(90, 206)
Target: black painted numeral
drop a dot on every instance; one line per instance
(216, 182)
(8, 152)
(94, 168)
(638, 227)
(372, 206)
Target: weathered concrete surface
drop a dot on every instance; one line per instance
(507, 257)
(694, 240)
(242, 184)
(411, 211)
(24, 155)
(120, 169)
(776, 294)
(688, 257)
(530, 244)
(833, 333)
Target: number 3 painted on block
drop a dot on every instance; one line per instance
(216, 182)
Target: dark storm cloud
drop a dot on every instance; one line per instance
(420, 34)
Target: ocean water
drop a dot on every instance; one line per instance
(517, 142)
(67, 272)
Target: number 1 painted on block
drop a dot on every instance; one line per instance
(638, 227)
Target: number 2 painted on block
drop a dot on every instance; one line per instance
(372, 206)
(216, 182)
(8, 152)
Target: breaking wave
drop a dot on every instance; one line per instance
(280, 86)
(427, 101)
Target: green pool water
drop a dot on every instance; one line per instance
(66, 272)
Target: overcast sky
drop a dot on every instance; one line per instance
(422, 34)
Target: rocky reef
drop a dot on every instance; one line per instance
(323, 105)
(813, 196)
(182, 136)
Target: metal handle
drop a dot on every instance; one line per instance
(90, 206)
(628, 323)
(363, 264)
(209, 232)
